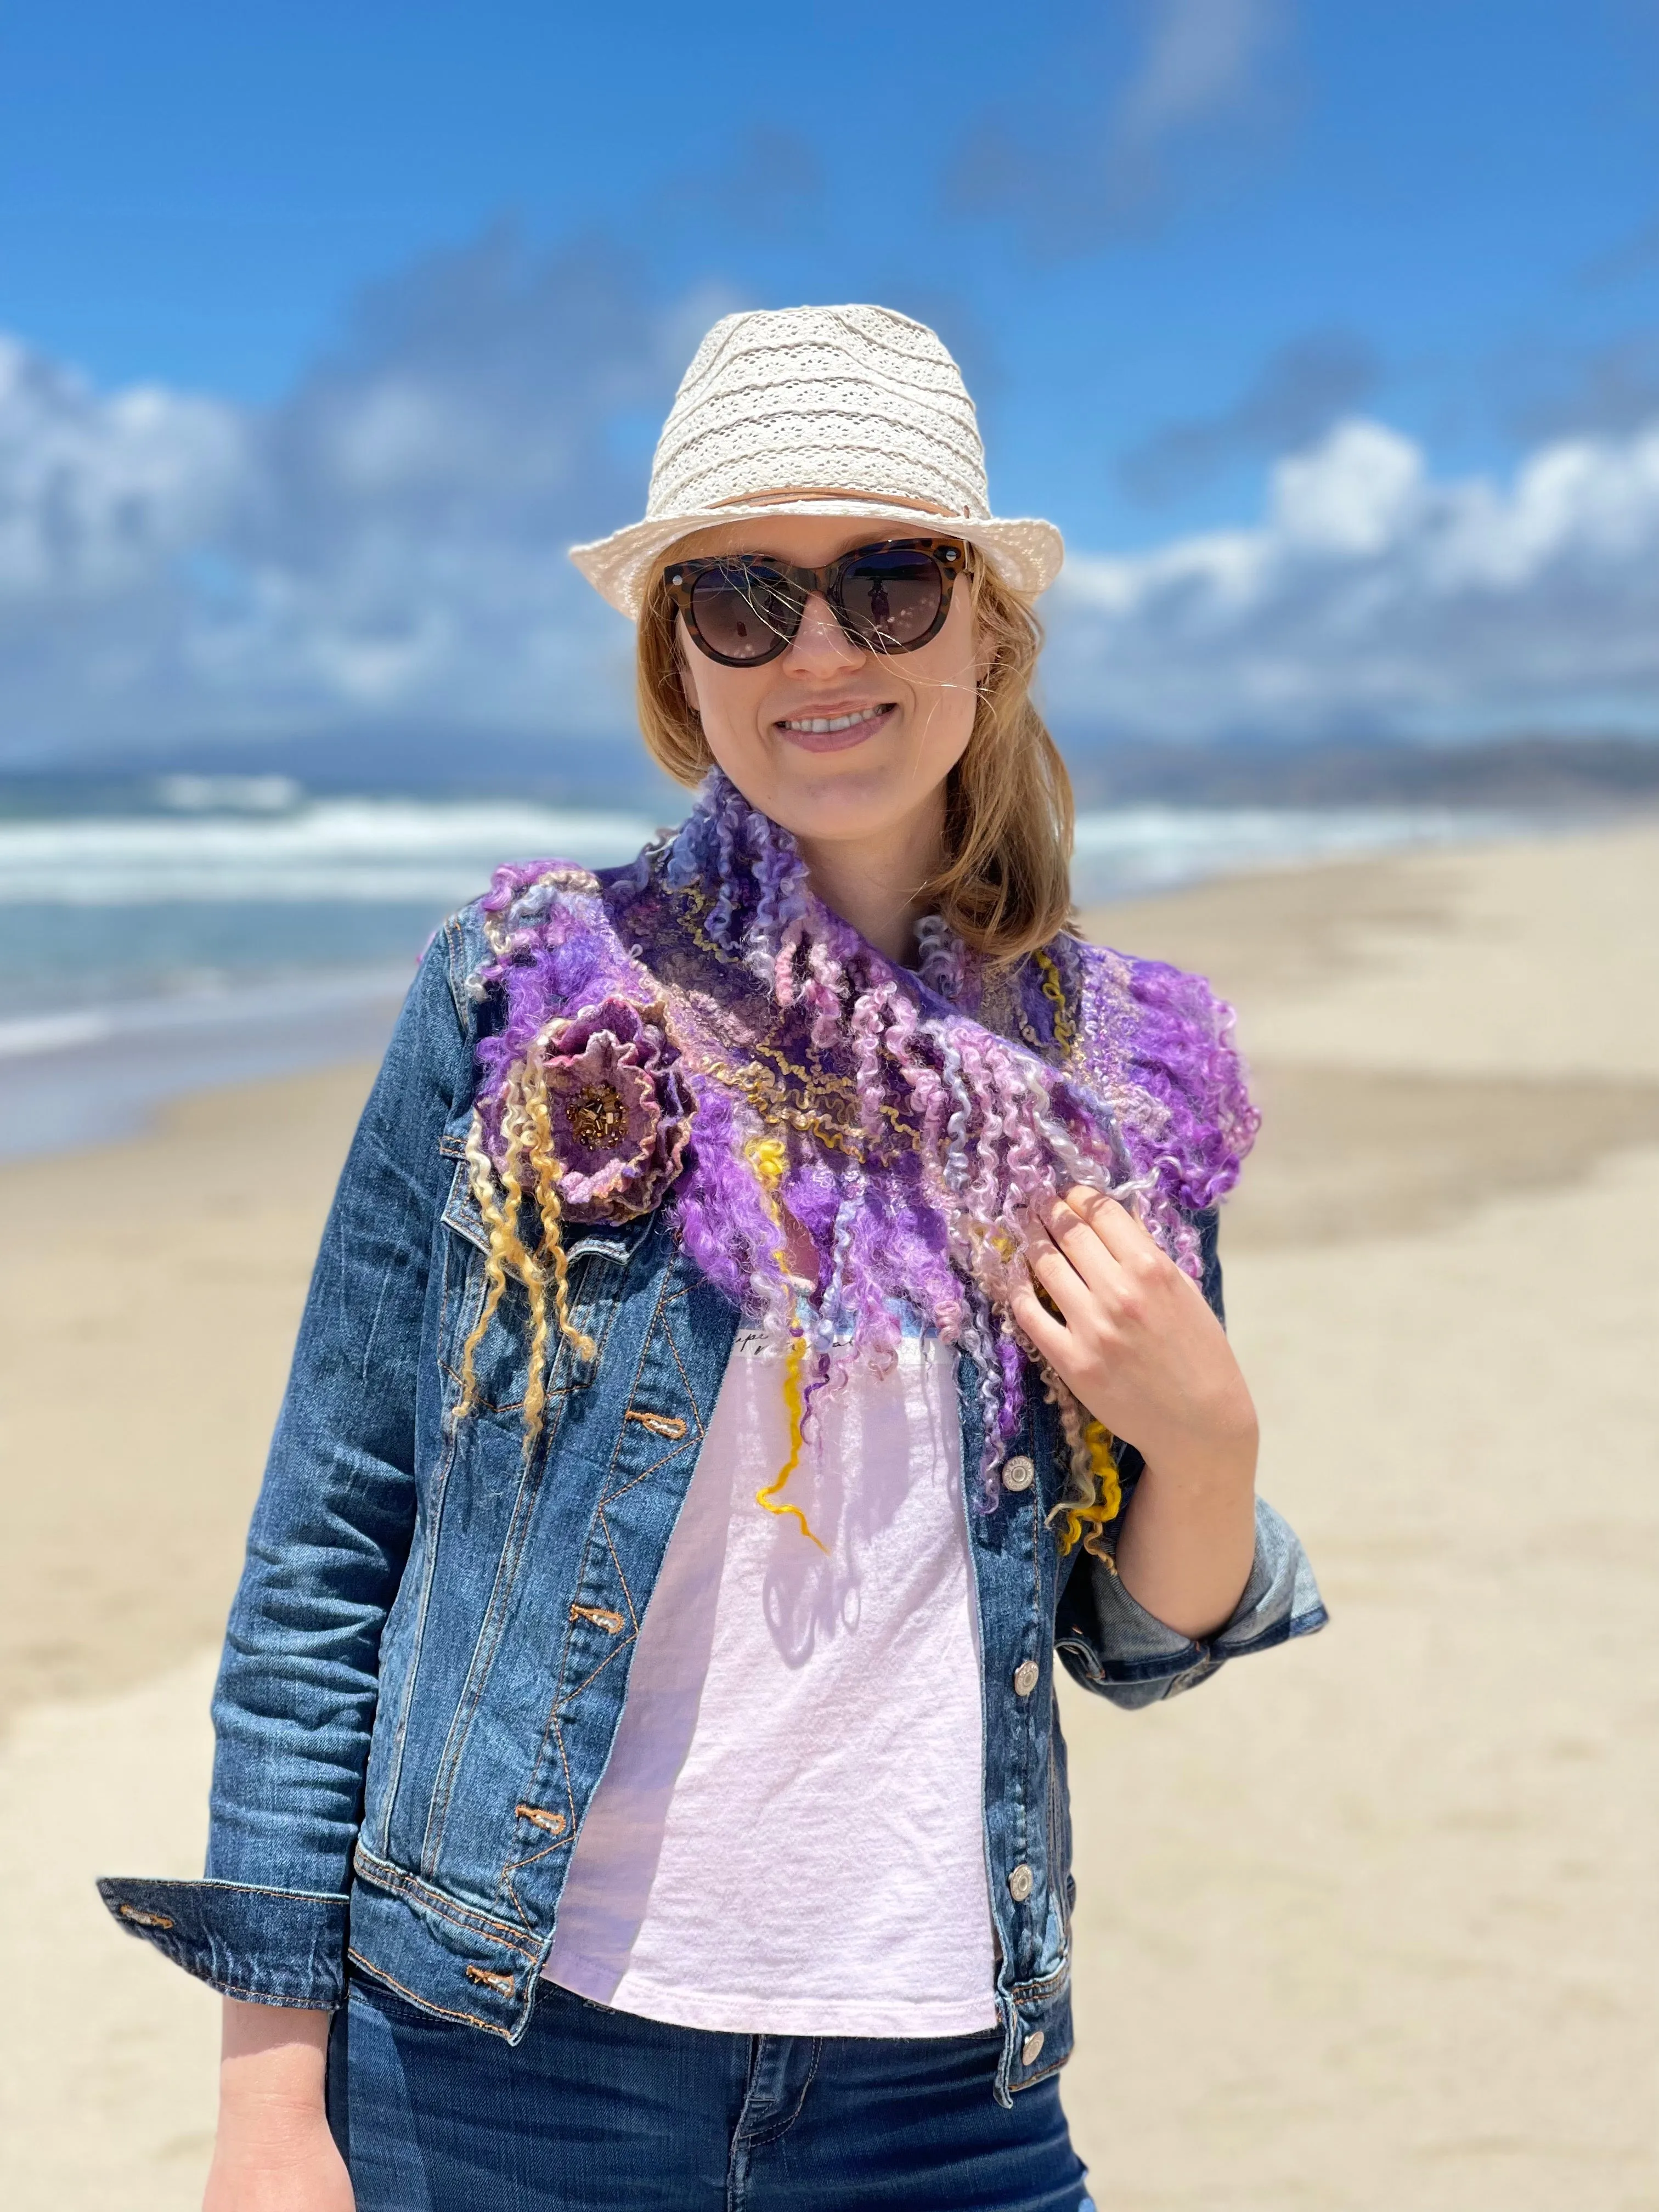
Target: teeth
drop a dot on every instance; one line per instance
(820, 725)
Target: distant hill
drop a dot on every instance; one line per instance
(1524, 773)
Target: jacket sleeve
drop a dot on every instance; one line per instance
(294, 1703)
(1113, 1645)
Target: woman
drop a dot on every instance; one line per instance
(770, 1307)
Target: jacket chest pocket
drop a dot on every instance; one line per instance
(596, 1262)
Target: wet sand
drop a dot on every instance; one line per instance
(1368, 1923)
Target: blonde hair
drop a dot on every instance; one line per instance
(1005, 887)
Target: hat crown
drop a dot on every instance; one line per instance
(853, 411)
(851, 399)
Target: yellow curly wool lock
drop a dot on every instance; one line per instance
(770, 1161)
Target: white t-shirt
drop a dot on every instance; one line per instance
(788, 1839)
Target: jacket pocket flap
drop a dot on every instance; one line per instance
(601, 1240)
(461, 1212)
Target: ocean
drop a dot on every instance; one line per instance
(146, 955)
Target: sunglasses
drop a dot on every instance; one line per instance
(742, 609)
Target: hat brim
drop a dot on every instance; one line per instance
(1027, 553)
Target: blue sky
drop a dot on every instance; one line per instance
(1182, 246)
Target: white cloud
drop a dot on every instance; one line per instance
(1373, 596)
(389, 541)
(1199, 60)
(1130, 135)
(1352, 494)
(386, 548)
(96, 492)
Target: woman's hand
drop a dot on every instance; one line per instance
(274, 2151)
(1136, 1344)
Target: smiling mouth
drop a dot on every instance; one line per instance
(829, 732)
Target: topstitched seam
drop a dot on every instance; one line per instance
(616, 1561)
(491, 1629)
(424, 2004)
(685, 1380)
(567, 1697)
(394, 1879)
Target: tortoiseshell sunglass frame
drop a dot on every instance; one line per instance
(796, 585)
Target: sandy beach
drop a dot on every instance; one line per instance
(1368, 1925)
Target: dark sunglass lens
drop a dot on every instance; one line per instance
(740, 613)
(892, 599)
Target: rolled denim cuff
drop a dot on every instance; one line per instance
(1139, 1660)
(276, 1947)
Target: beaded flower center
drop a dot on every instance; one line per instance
(597, 1117)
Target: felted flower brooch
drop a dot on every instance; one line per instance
(588, 1121)
(618, 1109)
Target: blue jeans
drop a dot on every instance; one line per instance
(598, 2110)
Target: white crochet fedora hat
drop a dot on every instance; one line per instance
(819, 411)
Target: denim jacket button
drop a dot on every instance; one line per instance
(1018, 1474)
(1026, 1677)
(1031, 2050)
(1019, 1883)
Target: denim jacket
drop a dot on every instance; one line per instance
(429, 1650)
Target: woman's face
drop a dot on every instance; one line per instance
(881, 775)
